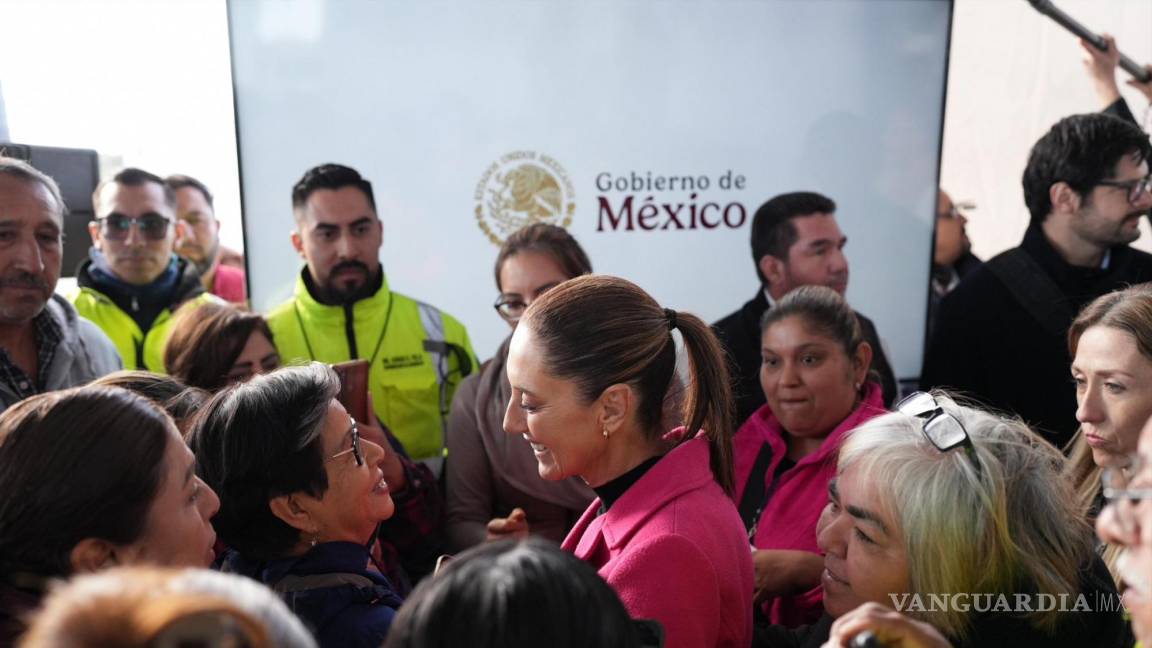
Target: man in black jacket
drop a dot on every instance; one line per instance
(1001, 335)
(795, 242)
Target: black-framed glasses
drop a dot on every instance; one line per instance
(510, 308)
(355, 449)
(1136, 188)
(942, 430)
(116, 227)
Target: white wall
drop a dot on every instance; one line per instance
(1013, 72)
(145, 82)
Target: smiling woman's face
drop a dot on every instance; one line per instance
(865, 559)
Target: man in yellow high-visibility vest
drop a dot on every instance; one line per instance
(343, 309)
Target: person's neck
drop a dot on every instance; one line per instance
(208, 276)
(626, 450)
(19, 340)
(800, 447)
(1072, 248)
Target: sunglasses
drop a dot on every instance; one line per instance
(116, 227)
(942, 430)
(355, 449)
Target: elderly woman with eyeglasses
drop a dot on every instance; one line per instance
(947, 525)
(301, 496)
(494, 490)
(1127, 523)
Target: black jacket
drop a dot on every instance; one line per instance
(988, 345)
(739, 332)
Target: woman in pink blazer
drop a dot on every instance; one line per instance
(592, 367)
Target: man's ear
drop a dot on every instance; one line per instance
(617, 403)
(298, 244)
(294, 510)
(94, 232)
(862, 362)
(772, 268)
(92, 555)
(181, 230)
(1064, 198)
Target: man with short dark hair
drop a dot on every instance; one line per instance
(132, 282)
(44, 344)
(1002, 334)
(200, 241)
(344, 309)
(795, 242)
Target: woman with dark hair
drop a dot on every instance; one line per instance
(213, 345)
(93, 477)
(301, 497)
(591, 364)
(514, 594)
(815, 379)
(493, 489)
(173, 396)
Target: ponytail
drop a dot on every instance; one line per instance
(708, 404)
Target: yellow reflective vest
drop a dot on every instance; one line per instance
(138, 349)
(417, 355)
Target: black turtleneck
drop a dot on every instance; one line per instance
(611, 491)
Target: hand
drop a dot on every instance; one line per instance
(513, 526)
(781, 572)
(1144, 88)
(391, 464)
(892, 629)
(1101, 66)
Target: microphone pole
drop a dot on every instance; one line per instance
(1071, 24)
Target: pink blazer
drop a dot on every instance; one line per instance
(674, 550)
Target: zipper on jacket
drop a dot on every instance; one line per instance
(135, 305)
(350, 331)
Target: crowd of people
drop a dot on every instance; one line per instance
(343, 471)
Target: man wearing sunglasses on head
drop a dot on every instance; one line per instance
(132, 281)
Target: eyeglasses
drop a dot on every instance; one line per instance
(1125, 487)
(511, 309)
(1136, 188)
(942, 430)
(1131, 481)
(355, 449)
(153, 227)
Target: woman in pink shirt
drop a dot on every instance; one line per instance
(815, 378)
(591, 365)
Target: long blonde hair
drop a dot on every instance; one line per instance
(1008, 526)
(1128, 310)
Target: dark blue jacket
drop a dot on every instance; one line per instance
(331, 589)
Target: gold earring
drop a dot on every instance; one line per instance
(605, 431)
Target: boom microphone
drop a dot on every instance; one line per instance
(1071, 24)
